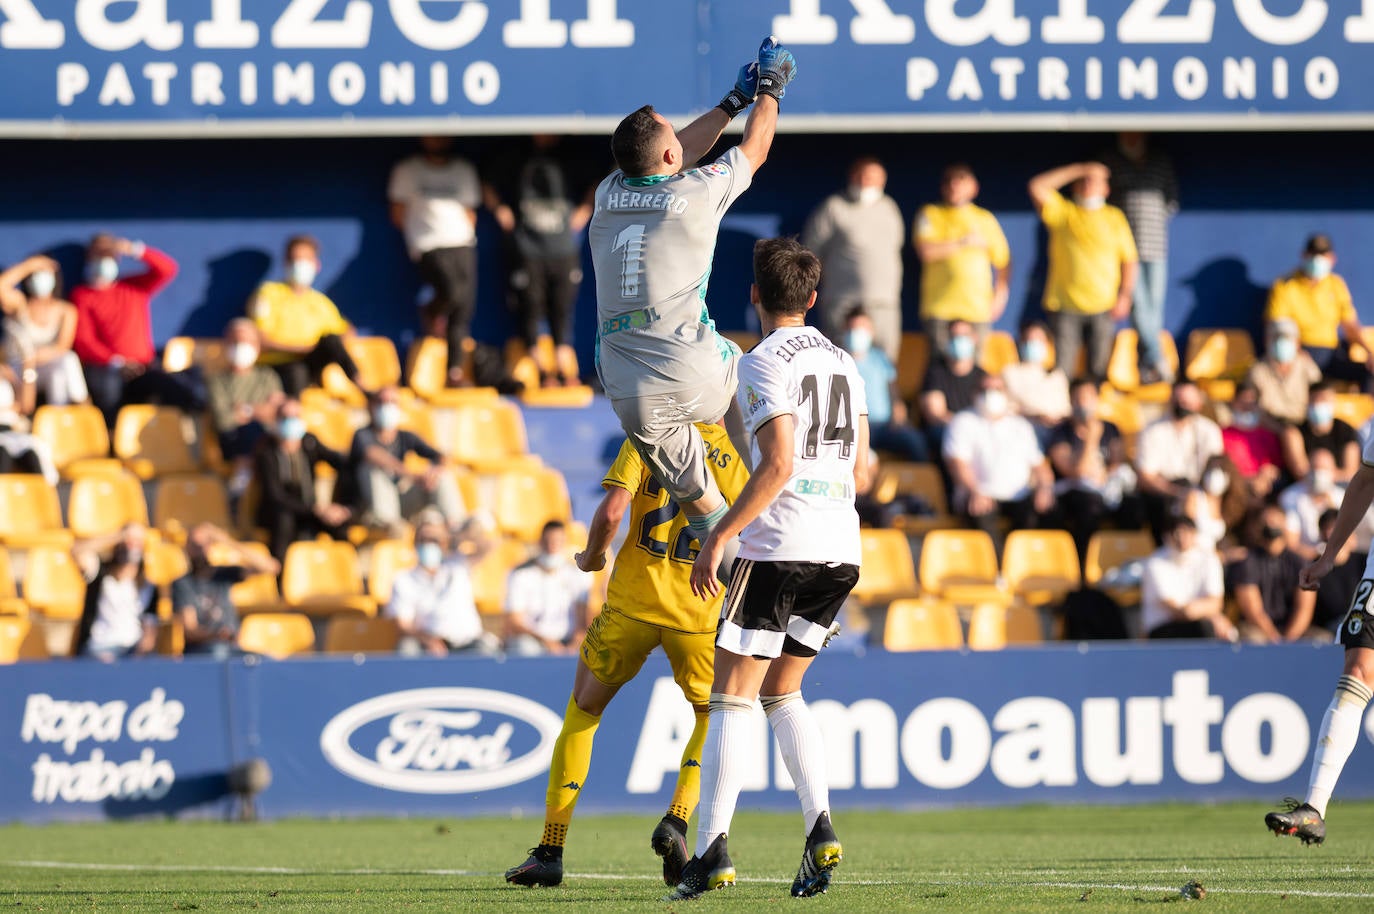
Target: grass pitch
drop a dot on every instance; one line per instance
(1032, 859)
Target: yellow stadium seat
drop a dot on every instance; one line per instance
(20, 639)
(490, 574)
(887, 571)
(427, 370)
(183, 352)
(1354, 409)
(171, 637)
(999, 351)
(357, 634)
(10, 604)
(573, 396)
(527, 498)
(922, 625)
(323, 577)
(151, 441)
(389, 558)
(960, 566)
(77, 438)
(913, 357)
(1123, 411)
(1108, 549)
(921, 479)
(30, 513)
(1040, 566)
(53, 584)
(1123, 371)
(183, 501)
(489, 437)
(101, 504)
(1218, 353)
(417, 417)
(330, 422)
(163, 563)
(378, 367)
(277, 635)
(992, 627)
(255, 593)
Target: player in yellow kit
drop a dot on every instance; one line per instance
(649, 603)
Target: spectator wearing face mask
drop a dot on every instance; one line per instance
(20, 450)
(1305, 501)
(1092, 263)
(244, 399)
(388, 492)
(1285, 375)
(859, 235)
(301, 329)
(1333, 597)
(433, 603)
(1252, 443)
(1273, 606)
(202, 597)
(1038, 393)
(1094, 482)
(546, 599)
(40, 329)
(1173, 452)
(1181, 588)
(997, 465)
(1218, 508)
(284, 468)
(951, 383)
(888, 428)
(1319, 302)
(1322, 430)
(120, 614)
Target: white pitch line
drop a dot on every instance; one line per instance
(301, 871)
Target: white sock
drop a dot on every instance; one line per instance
(724, 759)
(1339, 732)
(803, 750)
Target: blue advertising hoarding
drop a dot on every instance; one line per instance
(166, 67)
(391, 736)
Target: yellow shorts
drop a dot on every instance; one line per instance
(616, 647)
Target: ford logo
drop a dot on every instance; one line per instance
(442, 740)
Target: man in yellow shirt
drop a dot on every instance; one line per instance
(302, 330)
(965, 260)
(649, 604)
(1319, 302)
(1092, 263)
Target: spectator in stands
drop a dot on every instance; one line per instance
(1038, 393)
(201, 598)
(244, 399)
(1181, 588)
(1321, 429)
(432, 603)
(300, 329)
(1095, 482)
(965, 261)
(1333, 597)
(1092, 263)
(951, 383)
(1273, 607)
(114, 331)
(997, 465)
(93, 553)
(546, 599)
(888, 426)
(388, 493)
(1252, 442)
(1319, 302)
(120, 615)
(1146, 190)
(858, 235)
(542, 215)
(1173, 453)
(1218, 507)
(434, 198)
(1285, 374)
(284, 468)
(1305, 501)
(40, 329)
(20, 450)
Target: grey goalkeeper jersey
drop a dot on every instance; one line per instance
(652, 242)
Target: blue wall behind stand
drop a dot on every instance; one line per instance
(223, 209)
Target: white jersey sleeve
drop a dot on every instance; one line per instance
(765, 392)
(725, 178)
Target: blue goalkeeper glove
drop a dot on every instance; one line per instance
(745, 88)
(777, 68)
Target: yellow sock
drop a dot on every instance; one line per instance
(688, 789)
(572, 758)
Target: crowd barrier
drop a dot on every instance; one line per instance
(391, 736)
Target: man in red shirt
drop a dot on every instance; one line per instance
(114, 335)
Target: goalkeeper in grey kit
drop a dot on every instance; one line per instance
(653, 235)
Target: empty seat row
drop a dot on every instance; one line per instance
(927, 624)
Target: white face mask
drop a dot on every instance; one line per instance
(42, 283)
(1214, 481)
(302, 272)
(429, 555)
(243, 355)
(866, 195)
(992, 403)
(1323, 481)
(1092, 202)
(388, 416)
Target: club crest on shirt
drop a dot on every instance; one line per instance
(716, 168)
(1355, 623)
(755, 401)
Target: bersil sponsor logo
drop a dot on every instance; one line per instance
(442, 740)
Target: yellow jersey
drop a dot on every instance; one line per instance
(650, 580)
(1087, 249)
(959, 287)
(1318, 307)
(288, 318)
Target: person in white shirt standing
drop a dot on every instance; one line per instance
(805, 408)
(434, 198)
(546, 599)
(433, 603)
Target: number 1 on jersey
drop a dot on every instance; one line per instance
(631, 240)
(839, 420)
